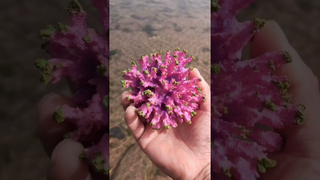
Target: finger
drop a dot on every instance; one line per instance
(304, 84)
(51, 132)
(136, 127)
(124, 102)
(272, 38)
(149, 135)
(66, 164)
(143, 134)
(204, 105)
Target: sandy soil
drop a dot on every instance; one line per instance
(136, 28)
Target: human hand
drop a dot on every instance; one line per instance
(182, 152)
(300, 156)
(66, 164)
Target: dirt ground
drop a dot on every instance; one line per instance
(137, 27)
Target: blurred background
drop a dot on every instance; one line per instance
(137, 27)
(21, 154)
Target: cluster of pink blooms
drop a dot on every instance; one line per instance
(81, 55)
(161, 91)
(248, 101)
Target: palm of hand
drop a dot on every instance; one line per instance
(182, 152)
(189, 144)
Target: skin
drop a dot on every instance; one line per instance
(299, 159)
(64, 154)
(184, 152)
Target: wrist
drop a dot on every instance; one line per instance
(204, 174)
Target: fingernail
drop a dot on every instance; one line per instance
(280, 34)
(45, 97)
(57, 148)
(276, 32)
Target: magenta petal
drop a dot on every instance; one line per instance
(161, 92)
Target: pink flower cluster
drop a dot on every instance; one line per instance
(249, 103)
(80, 55)
(161, 91)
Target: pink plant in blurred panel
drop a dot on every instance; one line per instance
(249, 102)
(80, 55)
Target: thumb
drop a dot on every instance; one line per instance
(66, 164)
